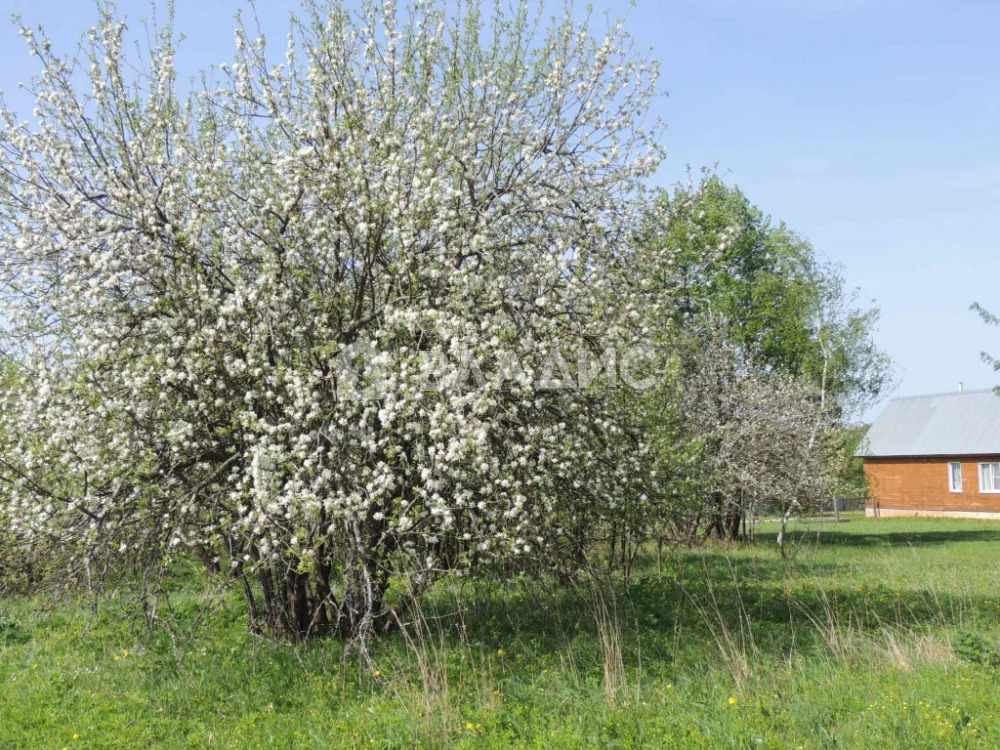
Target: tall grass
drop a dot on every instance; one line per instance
(883, 634)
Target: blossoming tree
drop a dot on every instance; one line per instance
(243, 316)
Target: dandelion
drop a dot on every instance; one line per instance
(732, 701)
(499, 652)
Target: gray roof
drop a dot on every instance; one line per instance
(966, 423)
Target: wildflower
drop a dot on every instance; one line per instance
(732, 701)
(499, 652)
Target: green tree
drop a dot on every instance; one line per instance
(785, 309)
(780, 309)
(993, 320)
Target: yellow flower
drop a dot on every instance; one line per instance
(732, 701)
(76, 736)
(378, 672)
(499, 652)
(469, 727)
(117, 658)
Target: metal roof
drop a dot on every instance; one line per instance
(966, 423)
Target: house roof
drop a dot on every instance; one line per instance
(966, 423)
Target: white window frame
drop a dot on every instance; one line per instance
(954, 486)
(994, 475)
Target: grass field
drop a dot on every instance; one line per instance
(878, 634)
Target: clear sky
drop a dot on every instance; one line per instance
(870, 126)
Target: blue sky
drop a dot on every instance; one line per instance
(872, 127)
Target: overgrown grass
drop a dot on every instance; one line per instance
(879, 633)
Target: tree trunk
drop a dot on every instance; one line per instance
(782, 533)
(734, 518)
(611, 553)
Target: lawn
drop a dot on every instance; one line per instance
(879, 633)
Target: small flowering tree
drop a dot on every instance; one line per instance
(732, 438)
(257, 320)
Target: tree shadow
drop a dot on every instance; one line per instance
(890, 537)
(705, 599)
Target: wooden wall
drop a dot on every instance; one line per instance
(922, 484)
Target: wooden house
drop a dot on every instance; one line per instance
(935, 455)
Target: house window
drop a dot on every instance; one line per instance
(989, 477)
(955, 476)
